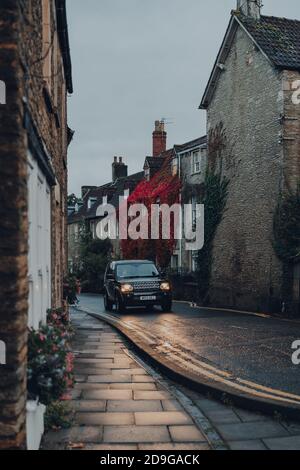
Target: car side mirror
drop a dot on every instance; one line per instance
(110, 277)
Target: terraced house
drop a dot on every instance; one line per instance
(35, 67)
(253, 126)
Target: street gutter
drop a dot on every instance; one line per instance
(248, 395)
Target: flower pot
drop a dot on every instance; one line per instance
(34, 424)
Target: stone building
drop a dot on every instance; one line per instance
(36, 70)
(253, 126)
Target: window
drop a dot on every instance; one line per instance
(147, 174)
(175, 166)
(196, 161)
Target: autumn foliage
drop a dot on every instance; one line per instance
(163, 188)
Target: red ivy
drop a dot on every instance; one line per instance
(163, 188)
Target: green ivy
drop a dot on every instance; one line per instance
(214, 202)
(287, 228)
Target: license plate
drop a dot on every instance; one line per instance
(148, 297)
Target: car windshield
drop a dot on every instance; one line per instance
(131, 270)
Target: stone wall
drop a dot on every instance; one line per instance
(47, 102)
(291, 129)
(13, 235)
(248, 102)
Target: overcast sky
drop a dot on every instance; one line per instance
(135, 61)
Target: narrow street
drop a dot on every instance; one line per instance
(232, 342)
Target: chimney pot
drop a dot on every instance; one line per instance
(119, 169)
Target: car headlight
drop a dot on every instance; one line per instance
(126, 288)
(165, 286)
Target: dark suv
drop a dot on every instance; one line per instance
(136, 283)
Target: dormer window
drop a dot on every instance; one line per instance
(147, 174)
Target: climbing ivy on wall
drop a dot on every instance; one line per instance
(287, 228)
(214, 202)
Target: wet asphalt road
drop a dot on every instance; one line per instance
(251, 347)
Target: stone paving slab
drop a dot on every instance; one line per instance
(171, 405)
(98, 419)
(107, 395)
(113, 447)
(89, 386)
(247, 431)
(148, 395)
(89, 405)
(134, 405)
(134, 386)
(283, 443)
(223, 417)
(247, 445)
(186, 434)
(173, 446)
(167, 418)
(136, 434)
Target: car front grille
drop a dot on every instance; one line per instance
(146, 286)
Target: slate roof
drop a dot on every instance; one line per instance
(279, 38)
(112, 190)
(193, 143)
(154, 162)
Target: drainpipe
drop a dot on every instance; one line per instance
(180, 201)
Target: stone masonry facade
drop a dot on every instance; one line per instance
(260, 158)
(33, 118)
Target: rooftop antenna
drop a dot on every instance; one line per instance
(167, 120)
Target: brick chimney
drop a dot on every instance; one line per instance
(159, 138)
(119, 169)
(250, 8)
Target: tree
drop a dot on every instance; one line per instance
(72, 199)
(94, 254)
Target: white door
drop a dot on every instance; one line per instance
(39, 256)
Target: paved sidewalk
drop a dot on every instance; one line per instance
(123, 404)
(118, 404)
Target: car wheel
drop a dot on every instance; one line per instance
(167, 306)
(120, 307)
(108, 305)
